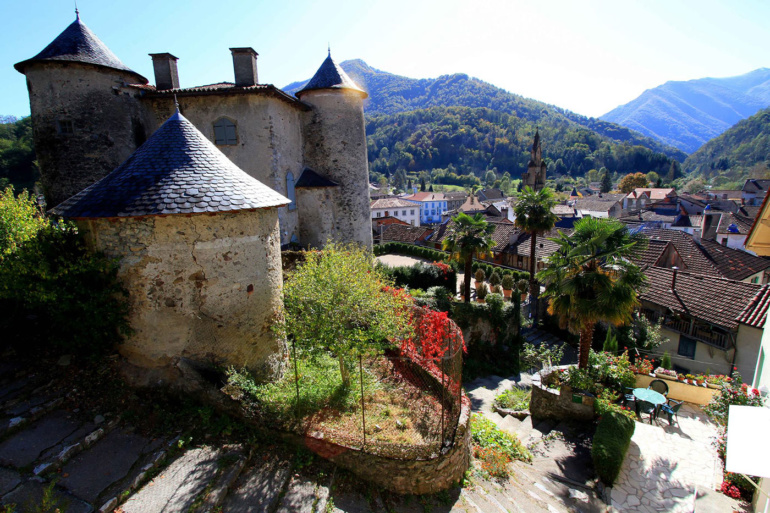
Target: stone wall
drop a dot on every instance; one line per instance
(105, 117)
(317, 207)
(549, 403)
(202, 287)
(335, 147)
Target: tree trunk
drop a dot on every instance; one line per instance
(468, 273)
(534, 287)
(344, 372)
(586, 338)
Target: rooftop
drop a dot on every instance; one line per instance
(654, 194)
(426, 196)
(392, 203)
(176, 171)
(78, 44)
(222, 88)
(405, 233)
(714, 300)
(330, 76)
(310, 178)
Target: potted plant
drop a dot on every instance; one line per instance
(664, 373)
(665, 361)
(715, 381)
(494, 279)
(508, 284)
(462, 290)
(690, 379)
(699, 379)
(522, 285)
(481, 292)
(680, 377)
(496, 289)
(480, 277)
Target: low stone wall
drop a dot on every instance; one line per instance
(403, 476)
(680, 391)
(549, 403)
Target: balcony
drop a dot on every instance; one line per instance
(700, 331)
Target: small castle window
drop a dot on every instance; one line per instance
(225, 133)
(66, 127)
(290, 192)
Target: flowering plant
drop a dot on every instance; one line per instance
(643, 366)
(665, 372)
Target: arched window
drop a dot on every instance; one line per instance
(290, 190)
(225, 133)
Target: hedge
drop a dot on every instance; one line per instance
(439, 256)
(610, 444)
(422, 276)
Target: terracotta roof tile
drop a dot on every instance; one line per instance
(405, 233)
(755, 312)
(733, 263)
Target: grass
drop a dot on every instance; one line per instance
(516, 399)
(401, 416)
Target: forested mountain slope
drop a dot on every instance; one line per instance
(741, 152)
(17, 153)
(688, 114)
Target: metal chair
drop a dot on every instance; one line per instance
(671, 411)
(659, 386)
(629, 397)
(645, 407)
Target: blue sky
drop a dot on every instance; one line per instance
(586, 56)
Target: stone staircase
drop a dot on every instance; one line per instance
(54, 456)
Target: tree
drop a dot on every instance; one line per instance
(490, 178)
(337, 301)
(20, 220)
(632, 181)
(606, 182)
(590, 278)
(422, 184)
(399, 179)
(469, 237)
(534, 215)
(409, 184)
(653, 178)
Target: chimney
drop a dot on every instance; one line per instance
(166, 74)
(673, 278)
(245, 66)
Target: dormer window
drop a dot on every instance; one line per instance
(65, 127)
(225, 133)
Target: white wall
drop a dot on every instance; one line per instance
(409, 215)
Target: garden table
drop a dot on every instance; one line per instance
(651, 396)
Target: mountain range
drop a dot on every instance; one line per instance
(688, 114)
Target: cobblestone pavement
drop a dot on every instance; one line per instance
(672, 468)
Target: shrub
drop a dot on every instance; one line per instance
(482, 291)
(610, 342)
(607, 402)
(610, 444)
(422, 276)
(495, 279)
(508, 282)
(665, 362)
(480, 275)
(54, 293)
(516, 399)
(20, 220)
(522, 285)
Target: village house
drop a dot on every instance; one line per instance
(407, 211)
(712, 324)
(641, 197)
(432, 206)
(455, 199)
(754, 191)
(601, 205)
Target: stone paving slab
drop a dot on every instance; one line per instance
(259, 487)
(9, 480)
(175, 489)
(24, 447)
(30, 495)
(111, 459)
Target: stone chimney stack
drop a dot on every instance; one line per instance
(245, 65)
(166, 74)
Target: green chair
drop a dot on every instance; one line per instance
(645, 407)
(672, 411)
(659, 386)
(629, 397)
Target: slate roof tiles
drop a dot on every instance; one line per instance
(330, 76)
(78, 44)
(176, 171)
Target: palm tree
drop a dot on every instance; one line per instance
(590, 278)
(470, 236)
(534, 216)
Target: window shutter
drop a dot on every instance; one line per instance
(290, 192)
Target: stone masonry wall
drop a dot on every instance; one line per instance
(106, 121)
(201, 287)
(549, 403)
(335, 147)
(317, 208)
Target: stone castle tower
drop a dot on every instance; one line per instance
(90, 112)
(535, 175)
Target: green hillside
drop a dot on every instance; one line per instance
(17, 153)
(741, 152)
(471, 141)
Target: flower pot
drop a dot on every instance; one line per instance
(712, 385)
(479, 300)
(699, 382)
(507, 293)
(665, 376)
(523, 297)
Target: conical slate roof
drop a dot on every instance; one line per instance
(330, 76)
(78, 44)
(176, 171)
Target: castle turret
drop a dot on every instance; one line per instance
(335, 149)
(536, 168)
(85, 120)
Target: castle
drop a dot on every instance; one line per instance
(195, 191)
(90, 112)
